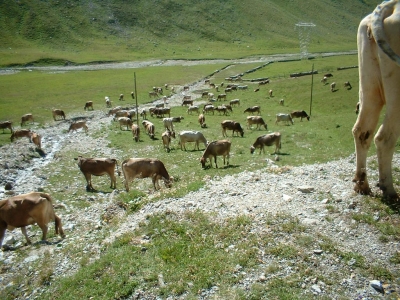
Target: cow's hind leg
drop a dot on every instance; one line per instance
(3, 228)
(28, 240)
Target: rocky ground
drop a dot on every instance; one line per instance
(321, 196)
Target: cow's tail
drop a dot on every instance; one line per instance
(57, 221)
(381, 12)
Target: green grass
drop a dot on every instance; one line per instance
(117, 30)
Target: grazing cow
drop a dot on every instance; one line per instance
(125, 121)
(143, 114)
(153, 94)
(231, 125)
(149, 128)
(133, 95)
(6, 124)
(166, 138)
(208, 108)
(135, 132)
(80, 124)
(263, 82)
(145, 168)
(221, 96)
(36, 139)
(228, 90)
(121, 97)
(97, 167)
(333, 86)
(202, 121)
(347, 85)
(282, 102)
(160, 111)
(256, 90)
(121, 113)
(299, 114)
(186, 88)
(58, 113)
(187, 102)
(20, 133)
(324, 80)
(379, 73)
(256, 120)
(192, 109)
(214, 149)
(168, 124)
(204, 94)
(222, 109)
(25, 118)
(189, 136)
(267, 140)
(88, 104)
(284, 118)
(210, 96)
(108, 101)
(328, 75)
(177, 119)
(234, 102)
(114, 110)
(28, 209)
(253, 109)
(243, 87)
(132, 113)
(270, 93)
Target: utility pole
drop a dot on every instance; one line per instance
(312, 84)
(137, 107)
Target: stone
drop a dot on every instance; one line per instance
(305, 189)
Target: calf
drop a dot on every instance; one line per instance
(97, 167)
(6, 124)
(80, 124)
(256, 120)
(299, 114)
(231, 125)
(58, 113)
(88, 104)
(145, 168)
(214, 149)
(28, 209)
(267, 140)
(25, 118)
(283, 117)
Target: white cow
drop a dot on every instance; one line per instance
(191, 136)
(283, 117)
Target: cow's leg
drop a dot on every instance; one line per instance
(3, 228)
(113, 180)
(215, 160)
(44, 228)
(23, 230)
(58, 226)
(88, 178)
(371, 103)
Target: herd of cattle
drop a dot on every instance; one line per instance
(378, 70)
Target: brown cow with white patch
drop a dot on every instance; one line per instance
(214, 149)
(379, 72)
(20, 133)
(80, 124)
(6, 124)
(58, 113)
(299, 114)
(27, 209)
(97, 167)
(145, 168)
(25, 118)
(267, 140)
(231, 125)
(88, 104)
(258, 120)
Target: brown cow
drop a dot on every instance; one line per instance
(143, 168)
(149, 128)
(267, 140)
(253, 109)
(231, 125)
(299, 114)
(80, 124)
(202, 121)
(135, 132)
(88, 104)
(25, 118)
(20, 133)
(125, 121)
(36, 139)
(379, 72)
(6, 124)
(97, 167)
(166, 138)
(256, 120)
(27, 209)
(214, 149)
(58, 113)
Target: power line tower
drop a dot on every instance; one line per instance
(304, 30)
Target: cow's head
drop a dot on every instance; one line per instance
(168, 182)
(252, 149)
(203, 162)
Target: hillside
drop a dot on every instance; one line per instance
(90, 30)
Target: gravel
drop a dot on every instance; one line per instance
(304, 192)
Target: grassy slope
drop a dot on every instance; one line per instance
(83, 31)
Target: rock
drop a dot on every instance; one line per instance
(286, 197)
(316, 289)
(305, 189)
(8, 186)
(377, 285)
(31, 258)
(318, 251)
